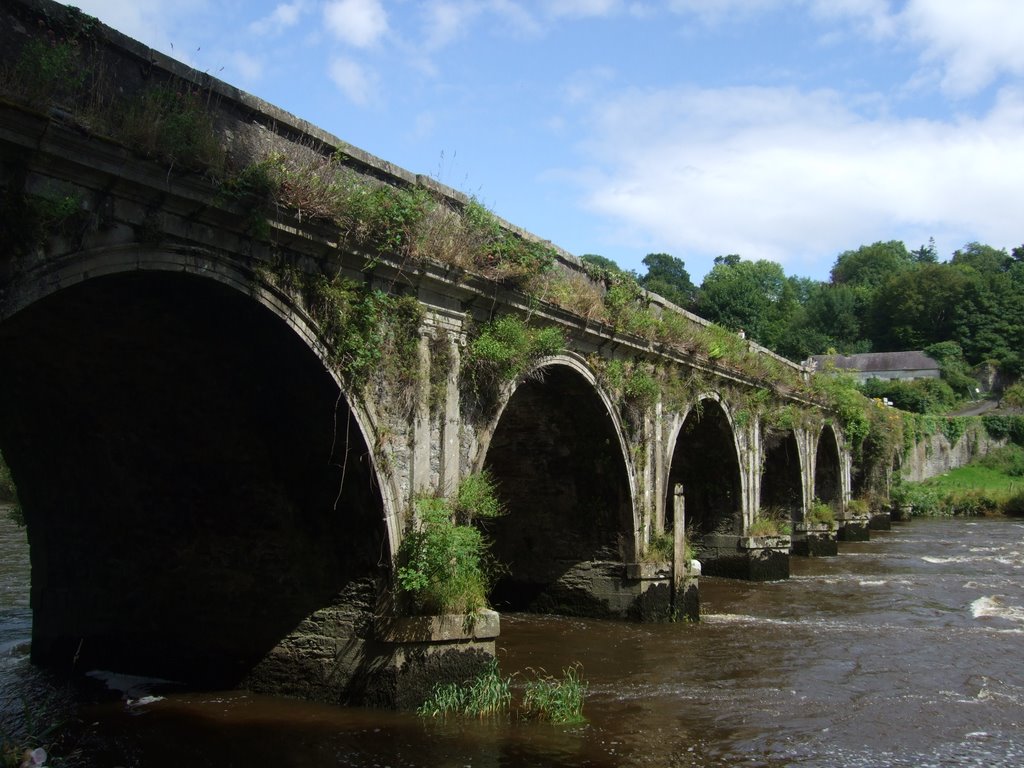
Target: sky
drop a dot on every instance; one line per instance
(788, 130)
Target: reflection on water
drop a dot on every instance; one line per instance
(901, 651)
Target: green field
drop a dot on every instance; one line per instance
(993, 484)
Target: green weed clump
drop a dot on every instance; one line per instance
(371, 335)
(1009, 460)
(662, 546)
(503, 350)
(444, 564)
(487, 695)
(173, 124)
(821, 514)
(441, 563)
(556, 700)
(770, 522)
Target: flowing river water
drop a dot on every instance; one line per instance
(907, 650)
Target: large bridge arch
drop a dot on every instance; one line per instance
(828, 467)
(556, 450)
(182, 461)
(782, 473)
(704, 455)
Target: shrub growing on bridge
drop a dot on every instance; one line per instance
(444, 563)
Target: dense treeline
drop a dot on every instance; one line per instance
(879, 298)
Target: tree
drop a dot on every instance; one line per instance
(926, 254)
(983, 258)
(871, 266)
(918, 307)
(755, 296)
(667, 276)
(601, 262)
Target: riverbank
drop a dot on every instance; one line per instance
(990, 485)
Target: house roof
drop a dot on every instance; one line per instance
(914, 360)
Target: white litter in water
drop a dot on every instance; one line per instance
(143, 701)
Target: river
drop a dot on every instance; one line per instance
(903, 651)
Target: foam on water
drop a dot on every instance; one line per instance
(994, 606)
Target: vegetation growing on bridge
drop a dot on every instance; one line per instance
(503, 350)
(444, 564)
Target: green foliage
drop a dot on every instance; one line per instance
(504, 254)
(370, 334)
(487, 695)
(556, 700)
(1008, 460)
(821, 513)
(1013, 396)
(505, 349)
(667, 276)
(441, 563)
(871, 266)
(173, 125)
(1004, 427)
(917, 396)
(661, 548)
(47, 70)
(477, 497)
(755, 296)
(858, 507)
(840, 392)
(770, 522)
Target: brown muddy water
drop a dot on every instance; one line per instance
(907, 650)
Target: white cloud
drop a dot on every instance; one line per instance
(582, 8)
(514, 14)
(284, 16)
(354, 80)
(972, 43)
(445, 22)
(360, 23)
(714, 11)
(148, 21)
(797, 177)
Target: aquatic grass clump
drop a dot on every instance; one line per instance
(556, 700)
(487, 695)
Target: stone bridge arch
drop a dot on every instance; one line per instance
(782, 474)
(189, 510)
(557, 450)
(831, 470)
(705, 455)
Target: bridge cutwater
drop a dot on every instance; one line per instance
(217, 429)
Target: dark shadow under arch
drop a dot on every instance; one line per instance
(704, 460)
(828, 468)
(558, 462)
(193, 482)
(781, 484)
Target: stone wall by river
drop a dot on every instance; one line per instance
(935, 455)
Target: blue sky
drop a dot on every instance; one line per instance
(788, 130)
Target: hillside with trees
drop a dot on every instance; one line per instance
(966, 312)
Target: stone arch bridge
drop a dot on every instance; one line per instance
(210, 497)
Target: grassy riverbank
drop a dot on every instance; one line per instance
(993, 484)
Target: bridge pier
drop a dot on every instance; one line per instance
(814, 540)
(751, 558)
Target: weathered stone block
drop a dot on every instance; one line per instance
(854, 529)
(814, 540)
